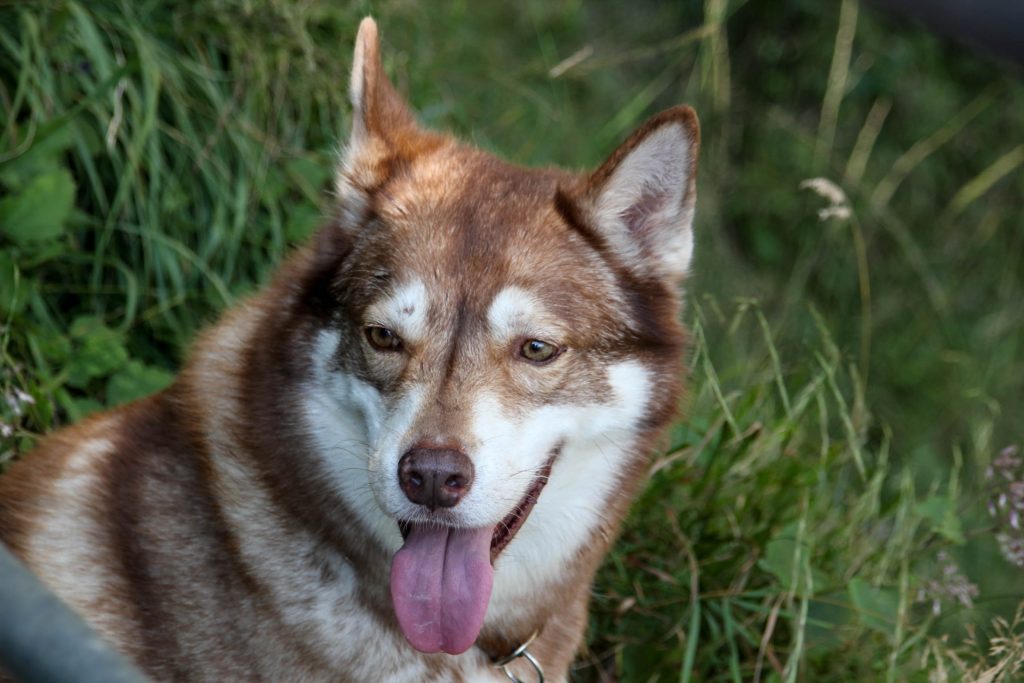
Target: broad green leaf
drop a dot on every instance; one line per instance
(41, 158)
(136, 380)
(827, 614)
(877, 607)
(941, 512)
(55, 347)
(77, 408)
(98, 351)
(38, 211)
(81, 407)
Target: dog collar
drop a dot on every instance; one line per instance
(520, 652)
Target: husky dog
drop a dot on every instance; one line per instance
(403, 459)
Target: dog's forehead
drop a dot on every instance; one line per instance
(470, 200)
(462, 228)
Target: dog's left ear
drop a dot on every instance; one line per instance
(641, 201)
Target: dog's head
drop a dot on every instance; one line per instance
(503, 346)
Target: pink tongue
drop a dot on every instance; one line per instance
(440, 585)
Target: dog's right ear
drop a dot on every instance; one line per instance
(378, 112)
(382, 125)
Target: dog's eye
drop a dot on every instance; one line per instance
(382, 339)
(537, 351)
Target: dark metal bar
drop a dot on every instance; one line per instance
(43, 641)
(996, 26)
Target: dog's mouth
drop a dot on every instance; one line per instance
(506, 529)
(441, 578)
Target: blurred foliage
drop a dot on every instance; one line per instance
(852, 376)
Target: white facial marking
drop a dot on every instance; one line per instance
(359, 438)
(511, 310)
(388, 450)
(344, 415)
(404, 312)
(515, 312)
(596, 438)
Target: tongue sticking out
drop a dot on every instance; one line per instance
(440, 585)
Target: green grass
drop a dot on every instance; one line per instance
(851, 378)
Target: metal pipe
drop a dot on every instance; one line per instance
(996, 26)
(43, 641)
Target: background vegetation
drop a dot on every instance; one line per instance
(842, 502)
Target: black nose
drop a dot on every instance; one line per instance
(435, 477)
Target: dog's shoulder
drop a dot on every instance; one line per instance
(93, 471)
(62, 468)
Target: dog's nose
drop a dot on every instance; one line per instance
(435, 477)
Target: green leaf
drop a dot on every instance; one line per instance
(827, 616)
(877, 607)
(81, 407)
(42, 158)
(781, 553)
(76, 407)
(136, 380)
(38, 212)
(55, 347)
(99, 351)
(941, 512)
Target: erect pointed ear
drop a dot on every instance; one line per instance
(641, 201)
(381, 122)
(377, 110)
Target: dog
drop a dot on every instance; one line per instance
(406, 456)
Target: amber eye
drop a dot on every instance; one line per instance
(382, 339)
(538, 351)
